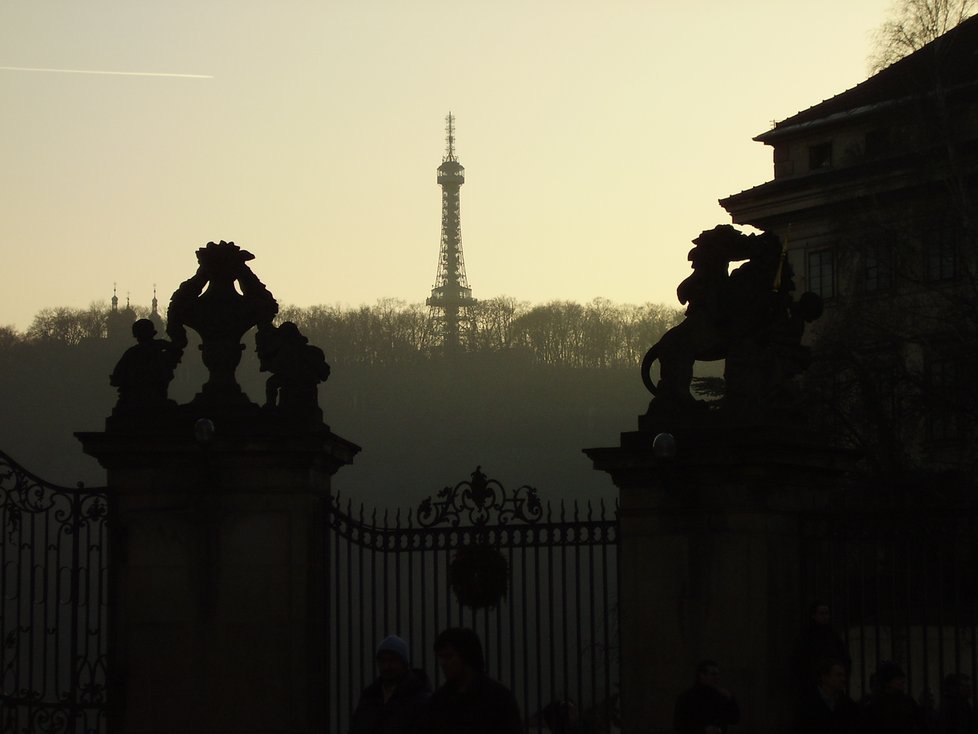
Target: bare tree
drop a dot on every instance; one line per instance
(913, 24)
(70, 325)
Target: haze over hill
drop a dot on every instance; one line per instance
(561, 377)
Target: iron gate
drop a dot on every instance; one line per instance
(901, 587)
(53, 605)
(553, 638)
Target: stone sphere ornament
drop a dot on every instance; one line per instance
(664, 446)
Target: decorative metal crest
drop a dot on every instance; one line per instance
(481, 501)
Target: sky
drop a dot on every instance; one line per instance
(597, 138)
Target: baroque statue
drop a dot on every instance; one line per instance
(210, 304)
(297, 368)
(222, 301)
(746, 316)
(143, 373)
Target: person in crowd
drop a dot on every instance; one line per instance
(706, 708)
(393, 702)
(891, 710)
(561, 716)
(818, 641)
(872, 690)
(470, 702)
(956, 715)
(826, 708)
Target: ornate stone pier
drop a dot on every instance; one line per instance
(709, 561)
(712, 494)
(218, 586)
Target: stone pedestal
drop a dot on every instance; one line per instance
(709, 564)
(218, 585)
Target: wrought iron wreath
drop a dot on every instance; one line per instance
(479, 576)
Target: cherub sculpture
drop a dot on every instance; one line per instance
(297, 368)
(143, 373)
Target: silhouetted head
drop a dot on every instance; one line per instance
(819, 613)
(708, 673)
(808, 306)
(290, 331)
(560, 716)
(831, 676)
(143, 330)
(458, 648)
(723, 243)
(393, 659)
(956, 685)
(890, 678)
(722, 233)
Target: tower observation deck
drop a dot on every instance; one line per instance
(451, 298)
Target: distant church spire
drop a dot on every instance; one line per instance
(154, 315)
(115, 298)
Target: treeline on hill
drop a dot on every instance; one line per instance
(597, 334)
(535, 385)
(593, 335)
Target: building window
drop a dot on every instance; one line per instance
(820, 156)
(783, 165)
(877, 268)
(821, 273)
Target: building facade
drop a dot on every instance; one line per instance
(875, 194)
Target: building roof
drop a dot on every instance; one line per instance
(951, 60)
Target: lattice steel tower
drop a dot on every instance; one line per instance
(451, 298)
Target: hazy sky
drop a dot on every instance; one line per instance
(596, 137)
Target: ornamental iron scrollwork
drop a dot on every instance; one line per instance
(53, 614)
(481, 501)
(397, 532)
(474, 551)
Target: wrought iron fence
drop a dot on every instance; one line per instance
(53, 605)
(902, 587)
(552, 638)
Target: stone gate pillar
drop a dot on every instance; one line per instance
(217, 519)
(710, 548)
(710, 563)
(218, 586)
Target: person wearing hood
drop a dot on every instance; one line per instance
(470, 702)
(392, 703)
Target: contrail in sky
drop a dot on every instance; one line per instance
(111, 73)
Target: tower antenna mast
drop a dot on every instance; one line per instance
(451, 299)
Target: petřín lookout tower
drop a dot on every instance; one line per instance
(451, 298)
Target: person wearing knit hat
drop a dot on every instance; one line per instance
(394, 644)
(392, 703)
(470, 701)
